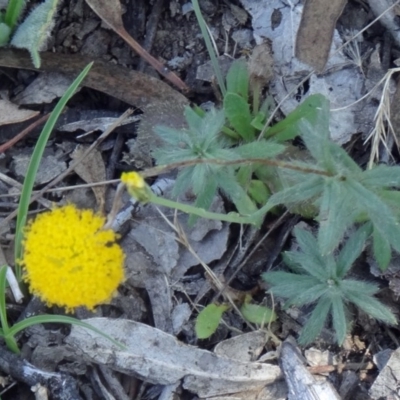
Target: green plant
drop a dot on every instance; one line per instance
(32, 34)
(210, 317)
(203, 141)
(235, 150)
(7, 332)
(319, 279)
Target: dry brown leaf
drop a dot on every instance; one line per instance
(314, 37)
(91, 169)
(12, 114)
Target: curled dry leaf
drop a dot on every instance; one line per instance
(159, 358)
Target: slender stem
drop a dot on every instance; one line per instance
(273, 163)
(230, 217)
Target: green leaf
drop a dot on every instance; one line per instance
(259, 149)
(358, 288)
(288, 129)
(310, 187)
(194, 120)
(288, 285)
(382, 250)
(210, 48)
(237, 79)
(351, 251)
(316, 322)
(208, 320)
(373, 307)
(339, 321)
(257, 314)
(34, 32)
(381, 177)
(237, 111)
(14, 10)
(335, 216)
(258, 191)
(59, 319)
(236, 193)
(258, 121)
(308, 296)
(5, 32)
(34, 162)
(381, 216)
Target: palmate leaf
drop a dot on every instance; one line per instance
(309, 296)
(336, 214)
(316, 321)
(381, 216)
(236, 193)
(307, 189)
(382, 249)
(351, 251)
(339, 321)
(288, 285)
(259, 149)
(381, 177)
(373, 308)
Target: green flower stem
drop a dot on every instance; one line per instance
(230, 217)
(150, 172)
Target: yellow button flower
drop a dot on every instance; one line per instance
(136, 186)
(69, 260)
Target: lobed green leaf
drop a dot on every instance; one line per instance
(237, 79)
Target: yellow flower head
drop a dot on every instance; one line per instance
(69, 260)
(133, 180)
(136, 186)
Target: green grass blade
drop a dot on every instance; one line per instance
(210, 48)
(58, 319)
(3, 312)
(34, 165)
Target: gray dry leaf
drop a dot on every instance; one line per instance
(12, 114)
(387, 383)
(49, 168)
(91, 169)
(245, 347)
(44, 89)
(159, 358)
(342, 83)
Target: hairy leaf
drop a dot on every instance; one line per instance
(316, 321)
(237, 111)
(351, 251)
(288, 285)
(381, 177)
(259, 149)
(237, 79)
(339, 321)
(308, 188)
(288, 129)
(34, 32)
(335, 216)
(382, 250)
